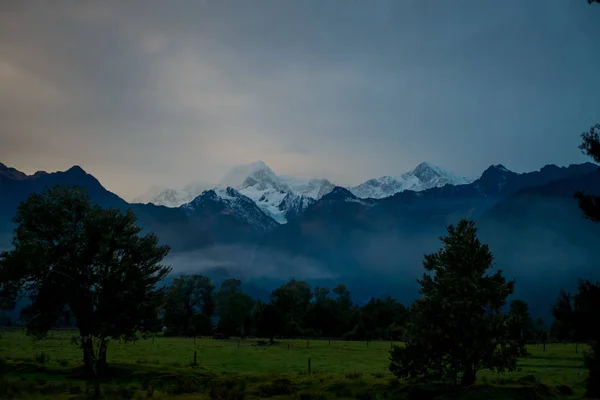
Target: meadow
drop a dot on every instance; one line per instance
(163, 368)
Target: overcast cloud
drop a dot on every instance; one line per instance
(168, 92)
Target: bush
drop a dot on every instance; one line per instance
(353, 375)
(228, 389)
(41, 358)
(279, 387)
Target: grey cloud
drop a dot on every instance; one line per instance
(296, 148)
(155, 92)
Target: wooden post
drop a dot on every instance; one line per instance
(195, 357)
(309, 365)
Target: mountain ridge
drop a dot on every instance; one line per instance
(531, 222)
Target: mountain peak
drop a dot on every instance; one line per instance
(76, 169)
(238, 174)
(12, 173)
(259, 164)
(427, 171)
(496, 169)
(339, 193)
(500, 167)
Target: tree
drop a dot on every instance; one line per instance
(70, 254)
(292, 301)
(520, 323)
(590, 205)
(234, 308)
(190, 302)
(564, 317)
(456, 326)
(269, 321)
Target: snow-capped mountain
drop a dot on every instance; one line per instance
(281, 198)
(268, 191)
(424, 176)
(314, 188)
(221, 208)
(163, 196)
(286, 197)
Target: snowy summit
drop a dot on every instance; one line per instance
(424, 176)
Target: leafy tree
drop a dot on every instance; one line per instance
(6, 321)
(520, 323)
(564, 317)
(292, 301)
(321, 294)
(234, 308)
(590, 205)
(587, 325)
(190, 302)
(457, 326)
(382, 319)
(269, 321)
(70, 254)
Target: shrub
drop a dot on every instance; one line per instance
(353, 375)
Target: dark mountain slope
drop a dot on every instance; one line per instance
(541, 238)
(171, 225)
(348, 235)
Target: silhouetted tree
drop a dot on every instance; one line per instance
(564, 317)
(269, 321)
(457, 327)
(590, 205)
(70, 254)
(520, 323)
(292, 301)
(189, 301)
(234, 308)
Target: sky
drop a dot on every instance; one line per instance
(170, 92)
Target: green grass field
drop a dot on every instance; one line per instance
(231, 370)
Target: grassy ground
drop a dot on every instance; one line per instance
(231, 370)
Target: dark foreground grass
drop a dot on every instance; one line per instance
(232, 370)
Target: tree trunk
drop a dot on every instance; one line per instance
(88, 356)
(469, 376)
(101, 361)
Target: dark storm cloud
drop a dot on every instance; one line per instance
(171, 92)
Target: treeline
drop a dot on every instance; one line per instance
(194, 306)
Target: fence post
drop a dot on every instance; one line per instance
(309, 365)
(195, 357)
